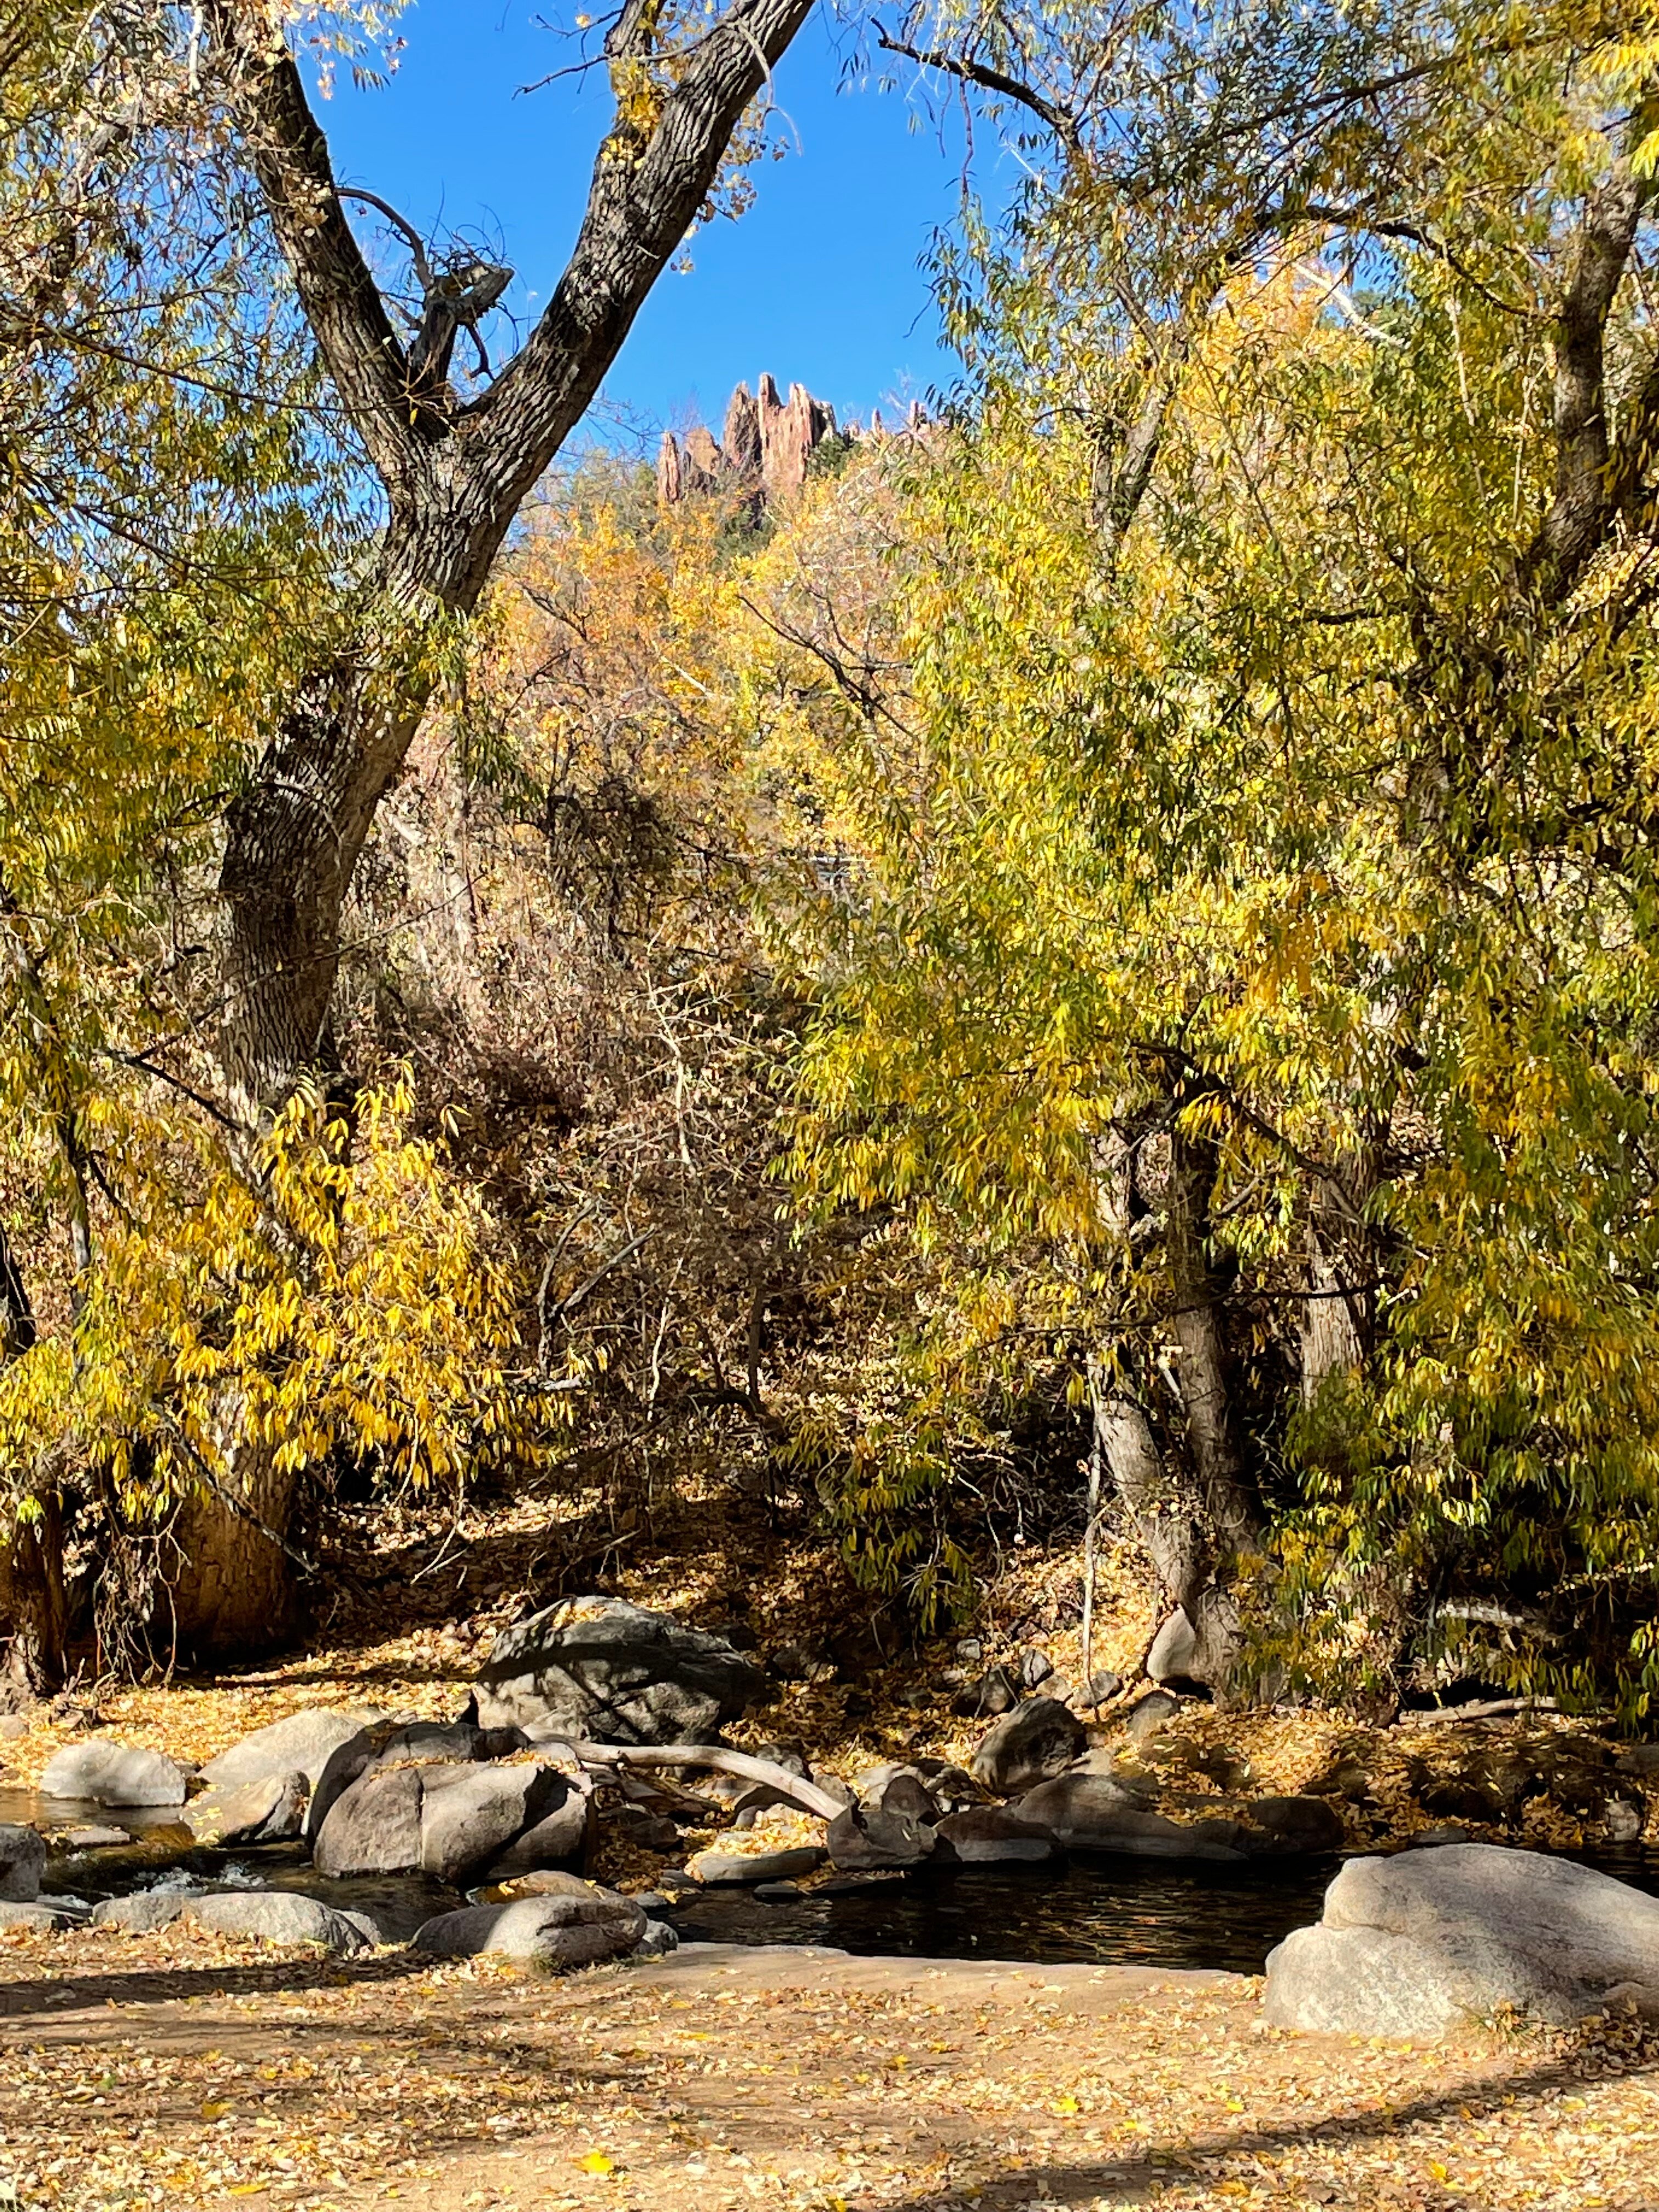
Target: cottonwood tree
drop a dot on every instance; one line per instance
(1269, 923)
(454, 469)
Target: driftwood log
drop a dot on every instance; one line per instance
(805, 1796)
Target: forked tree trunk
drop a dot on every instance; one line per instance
(455, 472)
(1196, 1511)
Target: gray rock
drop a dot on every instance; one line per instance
(987, 1835)
(458, 1822)
(142, 1912)
(276, 1915)
(1443, 1833)
(96, 1839)
(550, 1882)
(269, 1810)
(1092, 1812)
(730, 1871)
(779, 1892)
(475, 1817)
(996, 1692)
(373, 1825)
(347, 1763)
(1101, 1685)
(904, 1793)
(1174, 1654)
(302, 1744)
(1039, 1739)
(657, 1941)
(40, 1919)
(1036, 1669)
(1417, 1943)
(1149, 1714)
(1621, 1821)
(969, 1650)
(859, 1840)
(563, 1834)
(22, 1861)
(108, 1773)
(1639, 1758)
(543, 1932)
(1291, 1827)
(615, 1673)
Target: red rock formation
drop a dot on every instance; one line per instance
(742, 436)
(671, 482)
(703, 460)
(768, 442)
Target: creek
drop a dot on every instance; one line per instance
(1090, 1909)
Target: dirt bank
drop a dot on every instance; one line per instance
(141, 2071)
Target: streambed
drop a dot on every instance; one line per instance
(1091, 1909)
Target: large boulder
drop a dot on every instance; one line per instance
(1093, 1812)
(1175, 1656)
(477, 1820)
(104, 1772)
(22, 1861)
(861, 1840)
(987, 1835)
(373, 1826)
(270, 1810)
(541, 1932)
(403, 1743)
(1425, 1941)
(302, 1744)
(1040, 1738)
(456, 1822)
(36, 1919)
(614, 1673)
(277, 1916)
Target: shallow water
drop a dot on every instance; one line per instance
(1097, 1910)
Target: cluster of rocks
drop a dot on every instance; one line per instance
(765, 448)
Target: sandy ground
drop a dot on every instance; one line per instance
(138, 2071)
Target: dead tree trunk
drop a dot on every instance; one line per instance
(454, 472)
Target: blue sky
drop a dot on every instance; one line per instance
(819, 282)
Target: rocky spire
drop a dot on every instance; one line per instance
(671, 480)
(768, 442)
(742, 435)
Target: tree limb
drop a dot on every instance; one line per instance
(1063, 125)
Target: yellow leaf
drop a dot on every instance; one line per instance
(597, 2162)
(211, 2111)
(1065, 2106)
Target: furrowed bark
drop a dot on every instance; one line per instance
(32, 1566)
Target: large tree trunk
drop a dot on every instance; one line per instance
(1230, 1501)
(236, 1594)
(455, 472)
(32, 1565)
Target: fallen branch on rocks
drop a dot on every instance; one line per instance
(806, 1796)
(1492, 1709)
